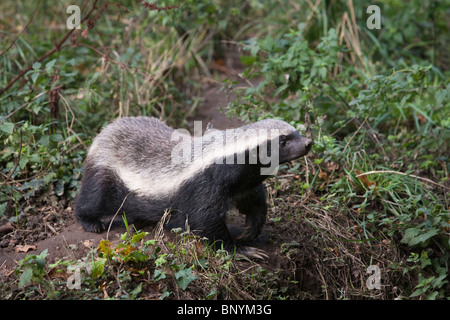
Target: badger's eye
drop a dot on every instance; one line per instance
(283, 141)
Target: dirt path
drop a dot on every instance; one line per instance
(214, 100)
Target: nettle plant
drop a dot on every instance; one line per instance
(39, 153)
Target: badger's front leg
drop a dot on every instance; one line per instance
(252, 203)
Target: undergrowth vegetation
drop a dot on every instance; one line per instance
(142, 266)
(373, 192)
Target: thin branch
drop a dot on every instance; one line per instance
(117, 212)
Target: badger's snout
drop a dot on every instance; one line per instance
(294, 147)
(308, 145)
(304, 145)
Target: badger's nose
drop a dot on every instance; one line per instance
(308, 144)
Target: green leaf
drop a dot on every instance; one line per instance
(57, 137)
(138, 236)
(184, 277)
(138, 256)
(98, 267)
(248, 60)
(36, 65)
(34, 76)
(59, 187)
(136, 290)
(7, 127)
(3, 208)
(159, 275)
(49, 65)
(40, 259)
(323, 72)
(414, 237)
(165, 295)
(25, 278)
(23, 162)
(161, 260)
(280, 89)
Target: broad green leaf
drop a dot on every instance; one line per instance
(138, 236)
(98, 267)
(7, 127)
(184, 277)
(25, 278)
(49, 65)
(34, 77)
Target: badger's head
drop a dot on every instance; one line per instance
(284, 143)
(264, 144)
(289, 144)
(293, 146)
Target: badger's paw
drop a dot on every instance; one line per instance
(252, 253)
(93, 226)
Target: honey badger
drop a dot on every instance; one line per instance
(146, 167)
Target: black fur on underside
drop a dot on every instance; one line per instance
(201, 202)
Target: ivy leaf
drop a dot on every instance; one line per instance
(159, 275)
(184, 277)
(105, 248)
(59, 187)
(36, 65)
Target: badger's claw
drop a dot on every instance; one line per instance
(252, 253)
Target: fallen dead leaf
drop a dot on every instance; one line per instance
(331, 166)
(88, 243)
(365, 181)
(323, 175)
(25, 248)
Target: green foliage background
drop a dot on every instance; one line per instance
(374, 101)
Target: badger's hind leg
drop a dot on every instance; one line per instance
(252, 203)
(97, 190)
